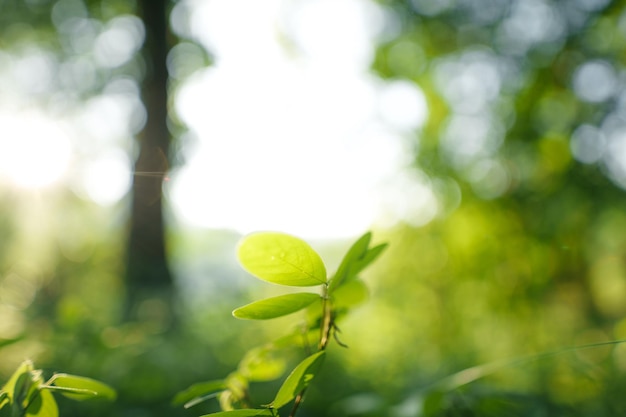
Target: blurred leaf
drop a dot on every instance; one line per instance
(43, 404)
(299, 338)
(237, 385)
(227, 400)
(433, 404)
(7, 342)
(261, 364)
(275, 307)
(81, 388)
(4, 399)
(350, 294)
(281, 259)
(299, 379)
(201, 389)
(242, 413)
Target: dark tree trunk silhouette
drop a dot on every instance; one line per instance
(148, 274)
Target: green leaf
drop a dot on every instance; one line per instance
(81, 388)
(4, 399)
(281, 259)
(201, 389)
(370, 257)
(6, 342)
(242, 413)
(350, 294)
(17, 385)
(433, 404)
(43, 404)
(298, 338)
(299, 379)
(237, 386)
(356, 251)
(276, 306)
(355, 260)
(261, 364)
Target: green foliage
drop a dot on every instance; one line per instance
(80, 388)
(244, 413)
(27, 394)
(286, 260)
(201, 390)
(356, 259)
(299, 379)
(276, 306)
(282, 259)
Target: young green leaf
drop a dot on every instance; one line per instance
(370, 257)
(4, 399)
(276, 306)
(237, 389)
(350, 294)
(17, 386)
(356, 251)
(198, 390)
(299, 379)
(262, 364)
(281, 259)
(81, 388)
(242, 413)
(42, 404)
(355, 260)
(300, 337)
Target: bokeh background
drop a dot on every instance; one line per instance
(484, 140)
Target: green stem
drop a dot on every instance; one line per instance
(297, 402)
(327, 320)
(326, 328)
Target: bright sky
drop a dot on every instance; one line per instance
(289, 130)
(295, 136)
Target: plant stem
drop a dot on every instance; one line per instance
(327, 320)
(297, 402)
(326, 327)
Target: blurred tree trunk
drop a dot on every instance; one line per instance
(148, 274)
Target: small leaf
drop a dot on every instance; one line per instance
(4, 399)
(355, 260)
(81, 388)
(242, 413)
(356, 251)
(350, 294)
(281, 259)
(298, 338)
(261, 364)
(237, 389)
(198, 390)
(299, 379)
(6, 342)
(276, 306)
(370, 256)
(16, 386)
(43, 404)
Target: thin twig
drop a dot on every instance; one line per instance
(326, 328)
(297, 402)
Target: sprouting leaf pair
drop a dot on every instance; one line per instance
(286, 260)
(27, 394)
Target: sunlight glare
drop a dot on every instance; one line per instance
(35, 151)
(298, 140)
(108, 178)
